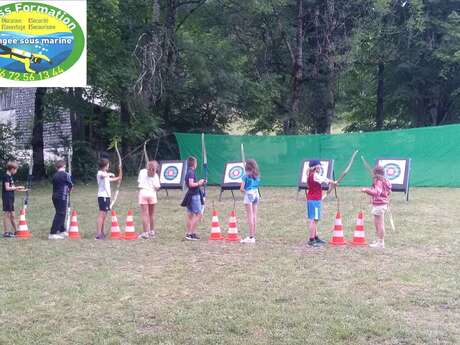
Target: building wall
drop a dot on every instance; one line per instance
(17, 106)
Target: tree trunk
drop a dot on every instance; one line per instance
(77, 118)
(380, 96)
(39, 171)
(297, 72)
(169, 47)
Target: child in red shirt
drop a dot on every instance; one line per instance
(314, 197)
(380, 194)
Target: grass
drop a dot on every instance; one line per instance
(168, 291)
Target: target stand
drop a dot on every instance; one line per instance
(232, 178)
(172, 175)
(397, 171)
(327, 170)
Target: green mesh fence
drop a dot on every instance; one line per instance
(435, 154)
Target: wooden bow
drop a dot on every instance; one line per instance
(120, 171)
(342, 176)
(146, 155)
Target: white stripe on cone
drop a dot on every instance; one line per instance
(338, 233)
(359, 234)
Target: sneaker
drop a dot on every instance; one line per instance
(313, 243)
(64, 234)
(190, 237)
(8, 235)
(151, 234)
(377, 244)
(144, 235)
(248, 240)
(195, 236)
(319, 241)
(56, 237)
(99, 237)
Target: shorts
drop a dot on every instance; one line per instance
(314, 209)
(195, 205)
(379, 210)
(251, 197)
(104, 204)
(8, 204)
(147, 197)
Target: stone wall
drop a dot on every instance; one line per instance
(19, 105)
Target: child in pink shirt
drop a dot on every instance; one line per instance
(380, 194)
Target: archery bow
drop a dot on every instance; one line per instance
(69, 206)
(120, 171)
(342, 176)
(205, 162)
(29, 181)
(146, 155)
(242, 155)
(371, 172)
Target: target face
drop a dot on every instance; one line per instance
(233, 173)
(236, 173)
(306, 168)
(395, 170)
(392, 171)
(172, 174)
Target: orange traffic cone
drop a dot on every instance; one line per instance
(232, 234)
(23, 229)
(73, 229)
(359, 237)
(115, 233)
(337, 237)
(130, 232)
(216, 235)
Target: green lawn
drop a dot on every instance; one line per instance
(168, 291)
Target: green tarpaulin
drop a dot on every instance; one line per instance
(435, 154)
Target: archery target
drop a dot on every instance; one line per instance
(395, 170)
(306, 168)
(233, 173)
(327, 170)
(172, 174)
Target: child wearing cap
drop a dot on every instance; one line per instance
(314, 197)
(380, 194)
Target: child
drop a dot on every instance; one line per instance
(380, 193)
(314, 197)
(103, 195)
(8, 189)
(62, 186)
(193, 200)
(250, 188)
(149, 184)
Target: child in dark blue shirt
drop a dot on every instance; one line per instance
(62, 186)
(193, 200)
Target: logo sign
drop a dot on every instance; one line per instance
(171, 173)
(43, 43)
